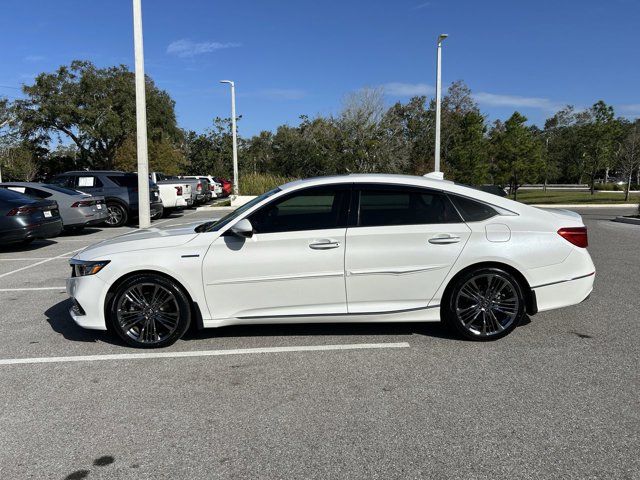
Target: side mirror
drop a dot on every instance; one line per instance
(243, 228)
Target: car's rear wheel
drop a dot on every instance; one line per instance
(149, 311)
(118, 215)
(484, 304)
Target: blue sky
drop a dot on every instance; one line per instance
(302, 57)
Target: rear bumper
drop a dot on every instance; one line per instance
(156, 208)
(564, 293)
(47, 229)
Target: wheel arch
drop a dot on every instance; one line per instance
(531, 306)
(196, 314)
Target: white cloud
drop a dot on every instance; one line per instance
(630, 108)
(33, 58)
(515, 101)
(186, 48)
(422, 5)
(399, 89)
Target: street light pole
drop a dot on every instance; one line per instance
(6, 122)
(144, 211)
(234, 135)
(436, 164)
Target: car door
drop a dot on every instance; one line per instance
(404, 242)
(292, 265)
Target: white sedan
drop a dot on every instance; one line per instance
(353, 248)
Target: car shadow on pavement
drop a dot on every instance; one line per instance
(428, 329)
(61, 322)
(26, 247)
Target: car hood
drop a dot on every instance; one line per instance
(141, 240)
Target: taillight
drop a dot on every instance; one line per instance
(199, 187)
(83, 203)
(575, 235)
(21, 211)
(178, 190)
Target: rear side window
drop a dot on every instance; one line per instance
(12, 195)
(471, 210)
(404, 206)
(37, 193)
(130, 181)
(312, 209)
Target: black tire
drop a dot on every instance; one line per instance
(484, 304)
(158, 214)
(149, 311)
(118, 215)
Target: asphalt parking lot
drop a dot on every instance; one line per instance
(558, 398)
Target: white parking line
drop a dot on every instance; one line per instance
(29, 289)
(40, 262)
(25, 259)
(200, 353)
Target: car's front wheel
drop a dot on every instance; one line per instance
(149, 311)
(484, 304)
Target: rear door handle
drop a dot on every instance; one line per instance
(444, 239)
(324, 244)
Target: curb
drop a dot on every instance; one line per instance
(587, 205)
(629, 220)
(210, 208)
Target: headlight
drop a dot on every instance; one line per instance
(81, 268)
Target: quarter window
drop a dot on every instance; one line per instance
(400, 206)
(471, 210)
(312, 209)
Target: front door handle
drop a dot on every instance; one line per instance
(444, 239)
(324, 244)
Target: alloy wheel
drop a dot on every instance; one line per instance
(115, 215)
(148, 313)
(487, 304)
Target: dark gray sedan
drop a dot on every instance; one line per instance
(77, 209)
(23, 219)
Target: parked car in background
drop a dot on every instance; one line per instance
(119, 189)
(494, 189)
(77, 209)
(200, 186)
(227, 186)
(175, 193)
(350, 248)
(23, 218)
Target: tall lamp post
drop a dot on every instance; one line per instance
(441, 37)
(144, 210)
(234, 135)
(6, 122)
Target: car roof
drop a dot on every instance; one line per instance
(89, 172)
(411, 180)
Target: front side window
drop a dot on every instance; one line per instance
(316, 208)
(404, 206)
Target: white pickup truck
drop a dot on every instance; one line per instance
(174, 193)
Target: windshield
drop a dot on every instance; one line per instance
(216, 225)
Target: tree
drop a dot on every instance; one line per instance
(467, 159)
(517, 152)
(94, 108)
(597, 138)
(629, 155)
(18, 164)
(211, 151)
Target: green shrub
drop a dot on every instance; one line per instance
(258, 183)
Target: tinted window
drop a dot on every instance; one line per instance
(404, 206)
(312, 209)
(11, 195)
(67, 191)
(130, 181)
(64, 181)
(37, 193)
(471, 210)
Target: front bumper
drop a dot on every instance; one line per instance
(89, 294)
